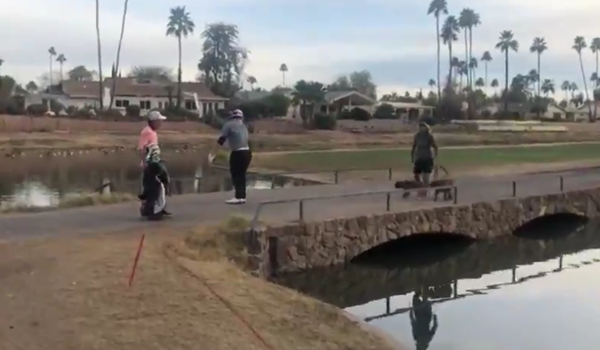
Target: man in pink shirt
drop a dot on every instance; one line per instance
(148, 136)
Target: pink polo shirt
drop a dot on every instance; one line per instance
(147, 137)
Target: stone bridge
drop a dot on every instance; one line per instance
(296, 247)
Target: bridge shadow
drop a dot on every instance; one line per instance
(415, 250)
(551, 226)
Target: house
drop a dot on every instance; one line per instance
(128, 91)
(337, 101)
(410, 111)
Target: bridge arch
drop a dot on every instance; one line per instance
(551, 225)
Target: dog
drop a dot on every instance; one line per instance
(446, 193)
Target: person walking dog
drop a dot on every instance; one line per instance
(235, 133)
(424, 151)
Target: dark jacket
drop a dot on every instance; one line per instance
(155, 173)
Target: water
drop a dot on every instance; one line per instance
(44, 181)
(510, 293)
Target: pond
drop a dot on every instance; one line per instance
(44, 181)
(510, 293)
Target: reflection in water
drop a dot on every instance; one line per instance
(503, 293)
(44, 182)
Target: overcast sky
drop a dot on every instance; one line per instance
(317, 39)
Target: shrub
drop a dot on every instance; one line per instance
(324, 122)
(82, 113)
(253, 109)
(132, 110)
(360, 114)
(11, 107)
(111, 114)
(276, 105)
(37, 109)
(385, 111)
(450, 107)
(344, 115)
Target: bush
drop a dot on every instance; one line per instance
(344, 115)
(37, 109)
(11, 107)
(450, 107)
(132, 110)
(385, 111)
(360, 114)
(276, 105)
(324, 122)
(111, 115)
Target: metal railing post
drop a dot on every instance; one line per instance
(336, 175)
(514, 188)
(455, 194)
(562, 184)
(390, 174)
(301, 210)
(273, 182)
(388, 201)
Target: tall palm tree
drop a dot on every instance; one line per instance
(566, 86)
(283, 69)
(573, 87)
(505, 44)
(118, 60)
(52, 53)
(449, 35)
(595, 47)
(494, 84)
(473, 65)
(61, 59)
(180, 25)
(486, 58)
(547, 87)
(251, 80)
(538, 47)
(100, 78)
(578, 45)
(455, 65)
(437, 8)
(468, 20)
(431, 83)
(480, 83)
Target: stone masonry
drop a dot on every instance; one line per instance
(295, 247)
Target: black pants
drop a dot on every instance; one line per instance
(239, 161)
(423, 166)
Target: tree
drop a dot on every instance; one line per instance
(473, 67)
(437, 8)
(450, 31)
(495, 84)
(538, 47)
(431, 83)
(283, 69)
(180, 25)
(467, 20)
(340, 84)
(595, 47)
(547, 87)
(61, 59)
(31, 86)
(573, 87)
(251, 81)
(223, 59)
(533, 77)
(486, 58)
(578, 45)
(1, 62)
(115, 67)
(362, 81)
(308, 94)
(505, 44)
(52, 53)
(153, 73)
(566, 87)
(99, 44)
(480, 83)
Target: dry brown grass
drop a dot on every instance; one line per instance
(75, 201)
(71, 293)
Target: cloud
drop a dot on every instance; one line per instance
(317, 39)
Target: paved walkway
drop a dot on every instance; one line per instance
(210, 208)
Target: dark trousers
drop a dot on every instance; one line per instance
(239, 161)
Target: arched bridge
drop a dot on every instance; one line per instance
(296, 247)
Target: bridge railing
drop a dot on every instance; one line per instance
(301, 201)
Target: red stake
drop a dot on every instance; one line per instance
(137, 258)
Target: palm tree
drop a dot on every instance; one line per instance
(100, 82)
(566, 86)
(449, 34)
(505, 44)
(52, 53)
(538, 47)
(115, 68)
(547, 87)
(455, 65)
(473, 67)
(532, 77)
(283, 69)
(486, 58)
(180, 25)
(480, 83)
(468, 20)
(494, 84)
(573, 87)
(61, 59)
(431, 83)
(463, 69)
(308, 94)
(578, 45)
(595, 47)
(438, 7)
(251, 81)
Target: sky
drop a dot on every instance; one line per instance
(317, 39)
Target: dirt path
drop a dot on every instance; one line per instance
(72, 294)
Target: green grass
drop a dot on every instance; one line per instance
(451, 158)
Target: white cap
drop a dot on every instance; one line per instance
(237, 114)
(155, 115)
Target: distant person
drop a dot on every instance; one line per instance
(148, 136)
(235, 133)
(424, 151)
(421, 317)
(155, 184)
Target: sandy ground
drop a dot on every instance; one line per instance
(72, 293)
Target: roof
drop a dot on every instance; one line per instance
(407, 105)
(250, 95)
(332, 96)
(130, 87)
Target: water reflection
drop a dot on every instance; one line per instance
(43, 182)
(493, 294)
